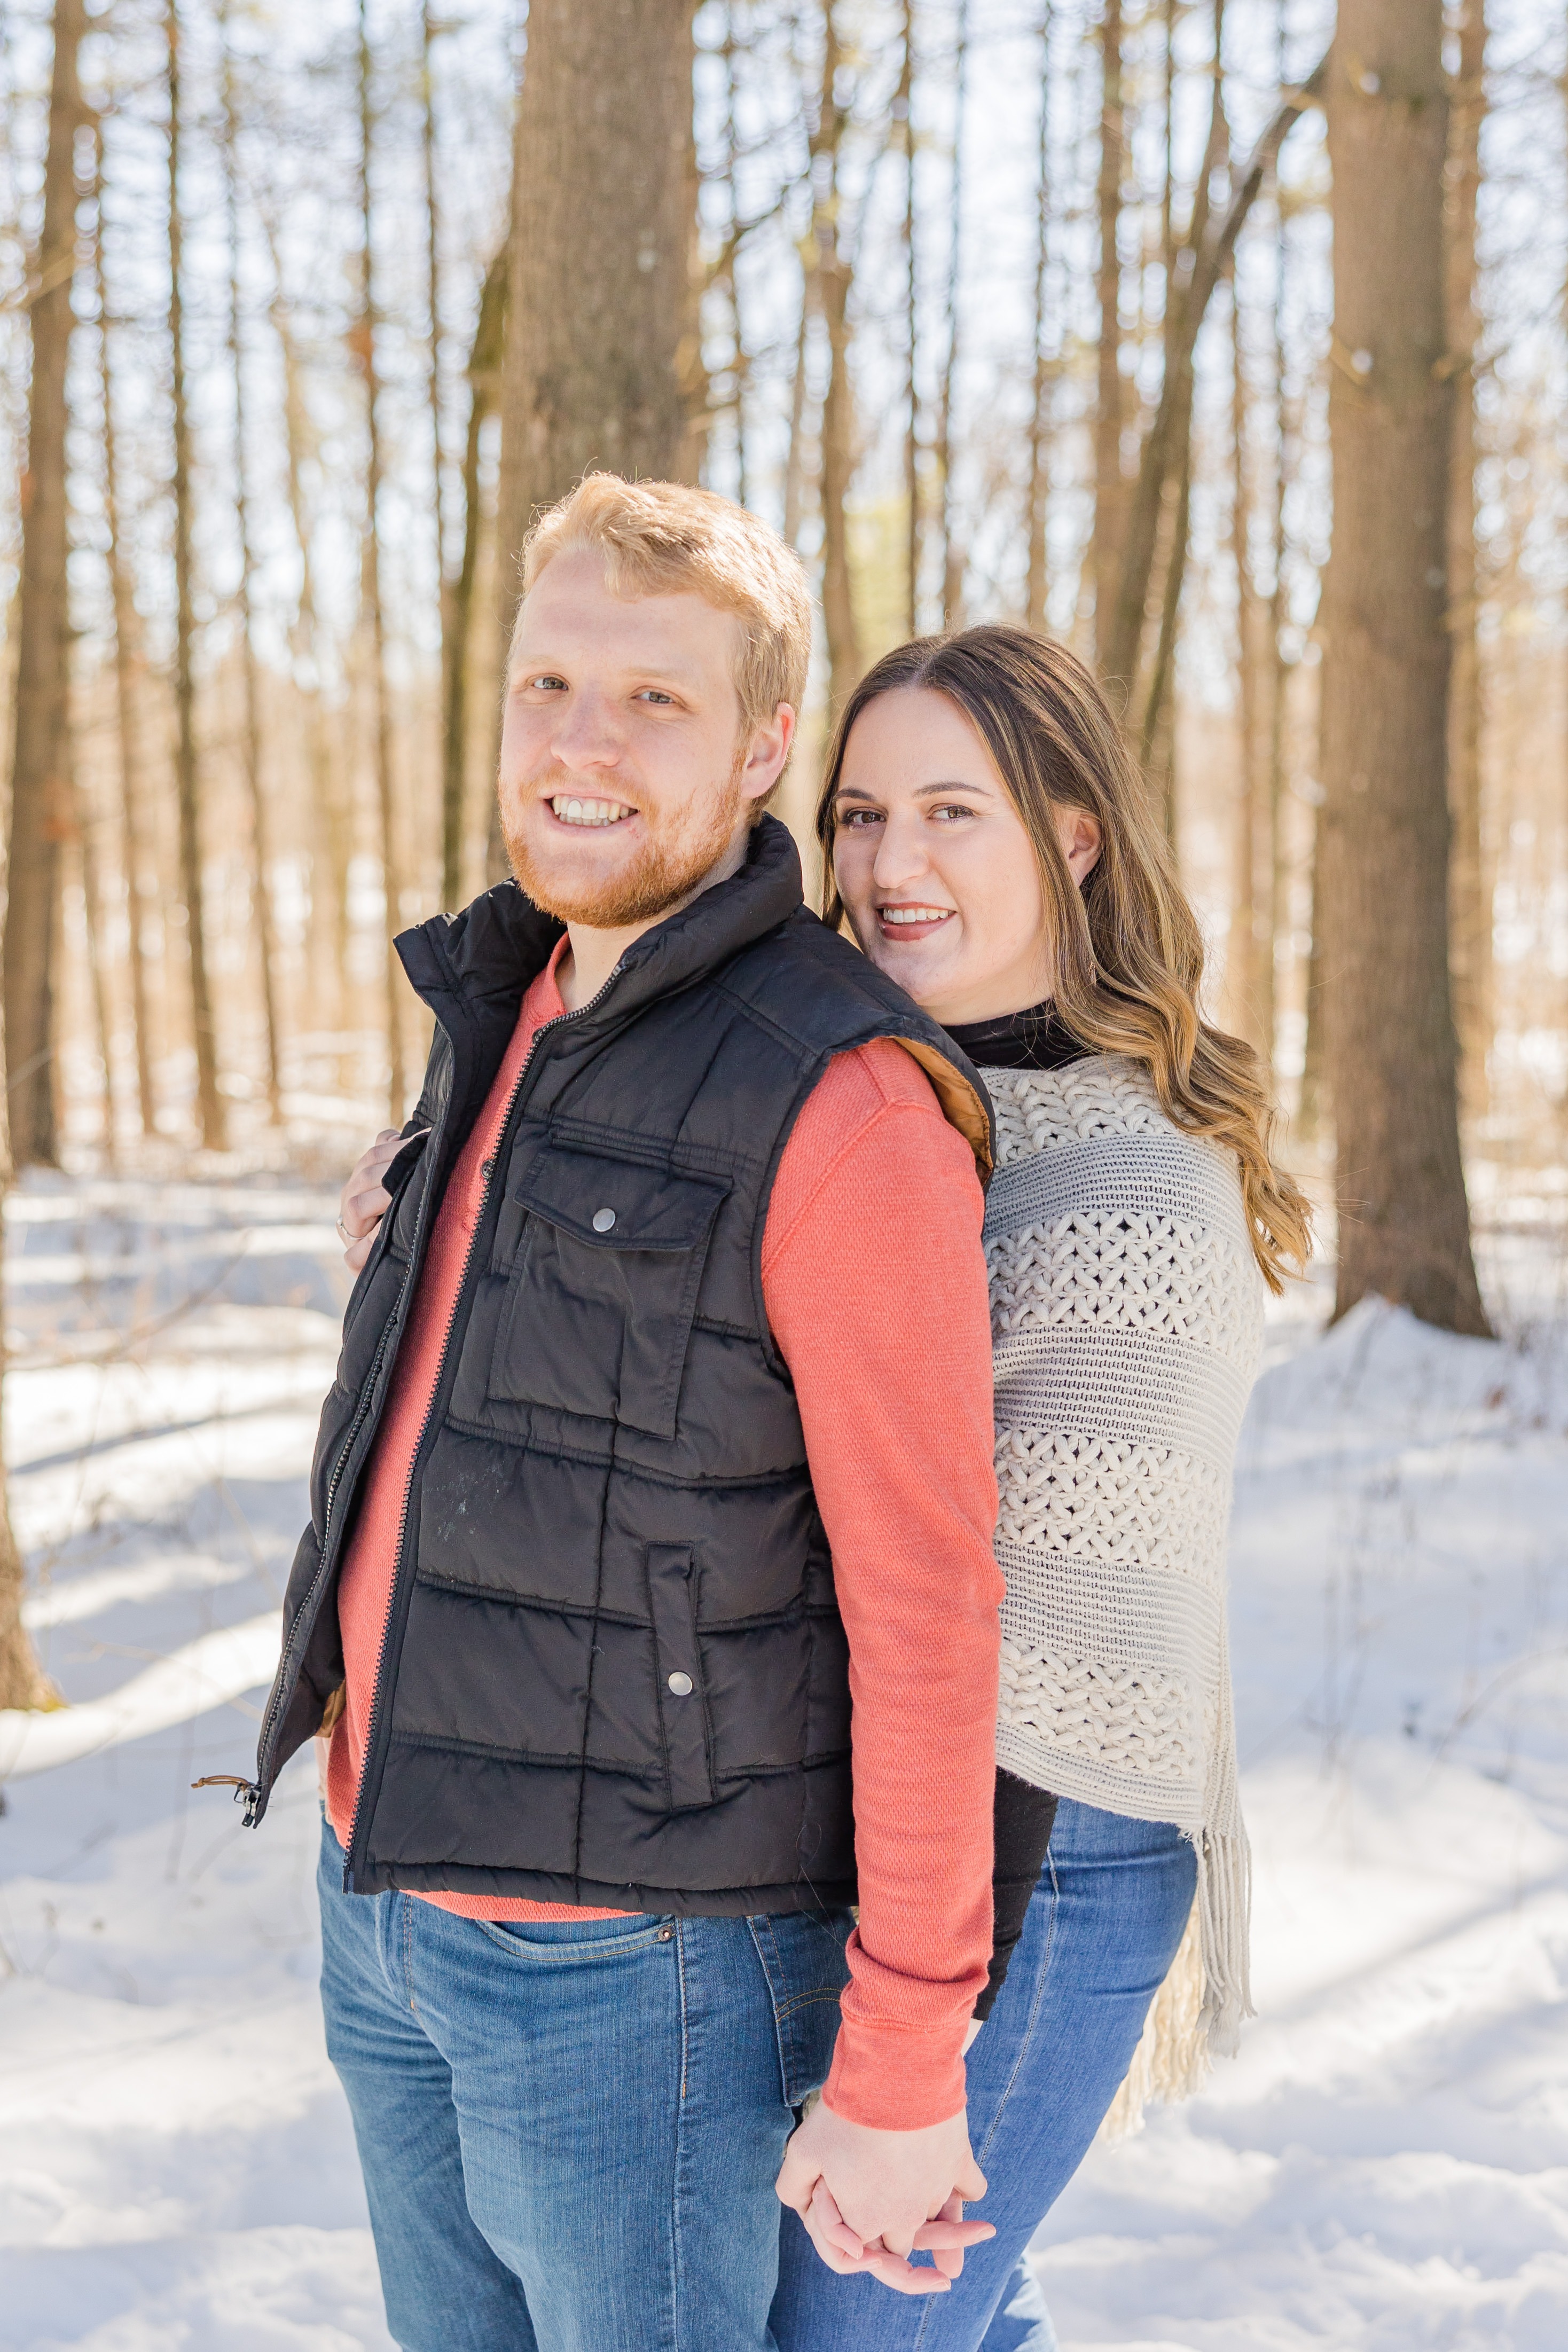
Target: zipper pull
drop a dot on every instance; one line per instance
(245, 1793)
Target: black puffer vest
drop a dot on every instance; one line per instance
(613, 1671)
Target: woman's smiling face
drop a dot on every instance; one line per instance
(937, 876)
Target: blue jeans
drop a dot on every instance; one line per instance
(570, 2130)
(1102, 1932)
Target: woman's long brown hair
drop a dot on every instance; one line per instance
(1126, 951)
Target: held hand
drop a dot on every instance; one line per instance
(869, 2199)
(363, 1202)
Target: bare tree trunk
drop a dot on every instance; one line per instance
(140, 883)
(1279, 674)
(397, 1084)
(953, 563)
(1157, 739)
(82, 824)
(795, 460)
(833, 279)
(1382, 865)
(741, 370)
(905, 100)
(22, 1681)
(1108, 492)
(1470, 898)
(484, 384)
(210, 1102)
(1251, 956)
(265, 923)
(452, 695)
(39, 784)
(1207, 250)
(1039, 418)
(604, 201)
(1158, 729)
(330, 854)
(1312, 1108)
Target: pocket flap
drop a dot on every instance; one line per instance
(616, 1205)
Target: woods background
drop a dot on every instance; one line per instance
(1234, 358)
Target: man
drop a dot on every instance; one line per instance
(650, 1589)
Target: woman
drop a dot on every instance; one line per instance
(991, 845)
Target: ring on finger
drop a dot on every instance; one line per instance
(345, 1235)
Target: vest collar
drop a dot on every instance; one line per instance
(487, 956)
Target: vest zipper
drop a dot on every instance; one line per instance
(372, 1723)
(248, 1792)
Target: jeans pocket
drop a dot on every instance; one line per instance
(802, 1953)
(555, 1942)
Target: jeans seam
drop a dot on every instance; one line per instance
(676, 2249)
(929, 2310)
(1027, 2036)
(407, 1903)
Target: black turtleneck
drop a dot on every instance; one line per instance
(1031, 1040)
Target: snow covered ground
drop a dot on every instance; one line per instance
(1386, 2165)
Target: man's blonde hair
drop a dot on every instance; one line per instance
(663, 539)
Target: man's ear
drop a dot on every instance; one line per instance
(767, 752)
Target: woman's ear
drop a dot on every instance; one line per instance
(1082, 839)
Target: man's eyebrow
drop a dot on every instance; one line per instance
(648, 672)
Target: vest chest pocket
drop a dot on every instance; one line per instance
(604, 1288)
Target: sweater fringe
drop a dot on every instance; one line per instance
(1197, 2014)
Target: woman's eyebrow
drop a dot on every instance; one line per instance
(953, 784)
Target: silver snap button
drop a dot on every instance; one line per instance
(681, 1686)
(603, 1219)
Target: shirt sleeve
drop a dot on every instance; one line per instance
(875, 1285)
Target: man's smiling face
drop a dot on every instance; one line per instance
(626, 774)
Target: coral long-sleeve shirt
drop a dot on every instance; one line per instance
(875, 1289)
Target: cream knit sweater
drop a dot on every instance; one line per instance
(1127, 1312)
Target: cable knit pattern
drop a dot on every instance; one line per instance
(1127, 1318)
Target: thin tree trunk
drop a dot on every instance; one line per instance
(1312, 1109)
(905, 100)
(1168, 193)
(266, 923)
(1158, 734)
(330, 854)
(1251, 953)
(953, 563)
(1468, 896)
(452, 684)
(741, 371)
(22, 1681)
(397, 1085)
(484, 384)
(1109, 491)
(1404, 1220)
(82, 822)
(1039, 420)
(1207, 249)
(40, 786)
(1279, 674)
(833, 279)
(210, 1102)
(795, 460)
(139, 884)
(1158, 730)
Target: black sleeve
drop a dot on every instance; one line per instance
(1024, 1816)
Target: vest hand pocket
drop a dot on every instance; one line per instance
(677, 1668)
